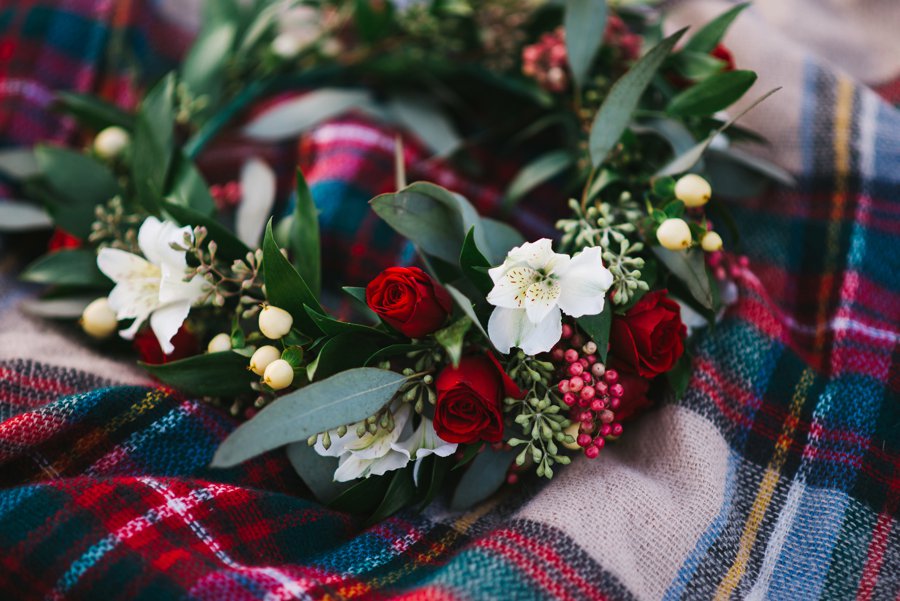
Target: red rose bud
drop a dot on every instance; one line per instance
(649, 338)
(470, 397)
(723, 54)
(409, 300)
(61, 240)
(147, 346)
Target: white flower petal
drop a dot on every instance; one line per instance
(155, 238)
(166, 321)
(352, 467)
(173, 288)
(584, 284)
(509, 328)
(423, 442)
(119, 265)
(372, 446)
(509, 290)
(338, 445)
(540, 299)
(257, 198)
(538, 255)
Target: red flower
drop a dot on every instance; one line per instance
(147, 346)
(723, 54)
(469, 400)
(635, 400)
(649, 339)
(61, 240)
(409, 300)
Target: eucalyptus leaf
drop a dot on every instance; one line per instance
(483, 478)
(501, 238)
(535, 173)
(316, 471)
(690, 268)
(285, 288)
(19, 163)
(759, 165)
(222, 374)
(708, 36)
(229, 247)
(74, 267)
(58, 308)
(18, 216)
(343, 399)
(597, 328)
(290, 118)
(712, 94)
(421, 116)
(153, 143)
(305, 238)
(93, 112)
(616, 111)
(584, 22)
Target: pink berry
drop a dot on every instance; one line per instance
(557, 354)
(616, 390)
(566, 331)
(591, 359)
(583, 402)
(588, 392)
(576, 369)
(563, 386)
(575, 384)
(605, 430)
(617, 429)
(599, 442)
(571, 355)
(591, 452)
(598, 405)
(584, 363)
(586, 416)
(577, 340)
(583, 440)
(587, 426)
(569, 399)
(602, 388)
(598, 369)
(614, 403)
(612, 376)
(607, 416)
(512, 478)
(586, 378)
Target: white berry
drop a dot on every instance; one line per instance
(286, 46)
(219, 343)
(711, 242)
(674, 234)
(98, 319)
(262, 358)
(274, 323)
(111, 142)
(279, 374)
(693, 190)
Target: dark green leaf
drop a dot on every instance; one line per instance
(76, 267)
(483, 478)
(358, 295)
(390, 351)
(190, 189)
(400, 492)
(615, 113)
(153, 143)
(343, 399)
(285, 288)
(93, 112)
(674, 209)
(453, 337)
(331, 326)
(470, 451)
(79, 183)
(690, 268)
(432, 474)
(597, 328)
(467, 308)
(696, 65)
(316, 471)
(363, 496)
(304, 237)
(473, 264)
(680, 376)
(712, 94)
(708, 36)
(230, 248)
(210, 374)
(664, 187)
(343, 352)
(372, 19)
(584, 22)
(535, 173)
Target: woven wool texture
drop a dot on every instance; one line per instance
(775, 477)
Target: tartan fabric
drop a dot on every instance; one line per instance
(775, 477)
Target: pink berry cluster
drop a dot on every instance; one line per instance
(724, 266)
(226, 196)
(545, 61)
(592, 391)
(619, 37)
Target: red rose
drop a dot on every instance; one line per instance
(409, 300)
(147, 346)
(635, 400)
(469, 400)
(649, 338)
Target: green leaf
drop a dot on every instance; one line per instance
(222, 374)
(204, 66)
(304, 237)
(453, 337)
(17, 216)
(689, 267)
(332, 327)
(292, 117)
(358, 296)
(390, 351)
(687, 160)
(372, 19)
(696, 65)
(615, 113)
(79, 184)
(433, 472)
(58, 308)
(400, 492)
(230, 248)
(674, 208)
(316, 471)
(343, 352)
(712, 94)
(664, 187)
(19, 163)
(153, 143)
(708, 36)
(93, 112)
(584, 22)
(343, 399)
(190, 189)
(483, 478)
(535, 173)
(285, 288)
(422, 116)
(474, 264)
(501, 238)
(363, 496)
(77, 267)
(597, 328)
(467, 308)
(759, 165)
(470, 451)
(680, 376)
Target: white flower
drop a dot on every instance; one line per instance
(152, 287)
(534, 286)
(384, 451)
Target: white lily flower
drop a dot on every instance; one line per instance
(385, 451)
(152, 287)
(534, 286)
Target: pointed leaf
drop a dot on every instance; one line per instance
(708, 36)
(483, 478)
(285, 288)
(343, 399)
(153, 143)
(584, 22)
(474, 264)
(453, 337)
(93, 112)
(230, 247)
(689, 267)
(304, 237)
(467, 308)
(190, 189)
(597, 328)
(18, 216)
(76, 267)
(289, 118)
(222, 374)
(535, 173)
(712, 94)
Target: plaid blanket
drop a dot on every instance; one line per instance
(777, 476)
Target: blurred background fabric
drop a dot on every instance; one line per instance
(775, 477)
